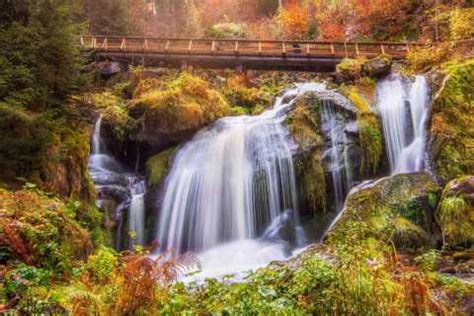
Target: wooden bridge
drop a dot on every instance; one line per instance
(317, 56)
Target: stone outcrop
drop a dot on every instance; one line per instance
(400, 208)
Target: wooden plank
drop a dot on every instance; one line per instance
(190, 46)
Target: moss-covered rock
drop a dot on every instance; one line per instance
(348, 70)
(177, 111)
(377, 67)
(158, 165)
(303, 124)
(452, 123)
(398, 208)
(455, 213)
(370, 136)
(41, 230)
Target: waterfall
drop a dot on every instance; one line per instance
(231, 181)
(403, 106)
(137, 213)
(117, 188)
(96, 138)
(339, 166)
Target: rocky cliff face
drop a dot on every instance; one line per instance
(452, 123)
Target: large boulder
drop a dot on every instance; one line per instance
(455, 213)
(311, 130)
(377, 67)
(177, 112)
(399, 208)
(314, 121)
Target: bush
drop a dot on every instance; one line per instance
(461, 24)
(39, 231)
(227, 30)
(100, 267)
(423, 59)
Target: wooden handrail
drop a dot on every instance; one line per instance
(187, 39)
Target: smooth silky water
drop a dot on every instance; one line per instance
(112, 179)
(403, 106)
(231, 194)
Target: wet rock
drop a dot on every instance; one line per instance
(173, 115)
(400, 207)
(312, 131)
(377, 67)
(109, 68)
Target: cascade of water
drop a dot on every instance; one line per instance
(231, 180)
(403, 106)
(137, 213)
(339, 164)
(96, 138)
(117, 187)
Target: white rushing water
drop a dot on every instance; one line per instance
(136, 215)
(231, 193)
(113, 182)
(403, 107)
(339, 163)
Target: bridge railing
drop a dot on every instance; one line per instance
(244, 47)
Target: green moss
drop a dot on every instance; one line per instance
(247, 97)
(370, 133)
(395, 208)
(237, 110)
(349, 69)
(371, 142)
(455, 213)
(183, 106)
(158, 165)
(304, 127)
(452, 124)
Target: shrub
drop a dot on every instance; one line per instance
(227, 30)
(424, 58)
(100, 267)
(461, 22)
(39, 230)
